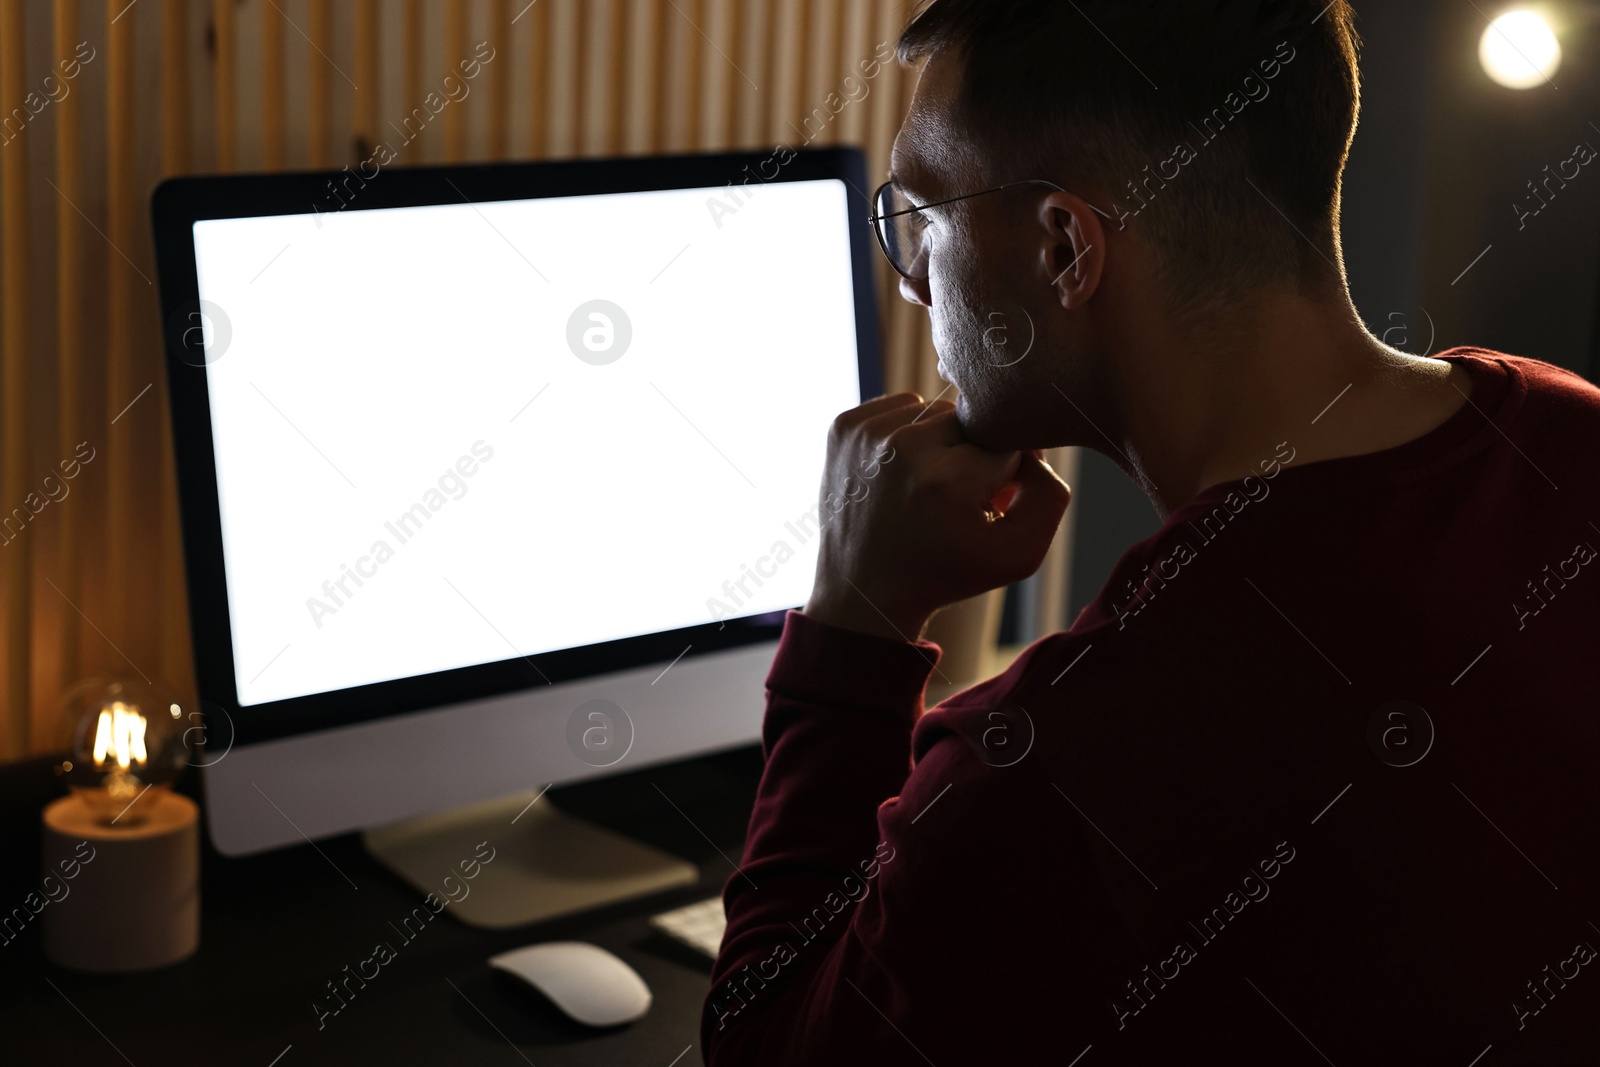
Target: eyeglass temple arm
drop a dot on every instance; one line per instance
(874, 219)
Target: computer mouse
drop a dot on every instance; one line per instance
(586, 982)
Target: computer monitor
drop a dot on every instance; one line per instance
(498, 476)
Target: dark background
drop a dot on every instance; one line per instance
(1440, 156)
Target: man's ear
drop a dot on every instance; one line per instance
(1074, 247)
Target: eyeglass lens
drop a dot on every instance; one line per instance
(903, 235)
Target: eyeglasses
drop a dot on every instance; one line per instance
(902, 228)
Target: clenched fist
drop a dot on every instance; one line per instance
(917, 519)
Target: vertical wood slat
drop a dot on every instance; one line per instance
(319, 80)
(678, 98)
(69, 335)
(919, 337)
(412, 46)
(717, 77)
(892, 18)
(540, 81)
(738, 80)
(821, 80)
(572, 52)
(273, 122)
(563, 55)
(694, 54)
(175, 659)
(364, 105)
(122, 385)
(899, 349)
(641, 133)
(595, 88)
(225, 86)
(914, 339)
(589, 81)
(618, 81)
(668, 33)
(784, 76)
(14, 407)
(174, 88)
(498, 141)
(856, 47)
(455, 47)
(884, 119)
(755, 83)
(916, 365)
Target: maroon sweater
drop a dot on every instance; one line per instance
(1313, 780)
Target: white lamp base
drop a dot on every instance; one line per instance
(132, 902)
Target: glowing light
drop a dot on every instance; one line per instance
(126, 744)
(120, 734)
(1519, 50)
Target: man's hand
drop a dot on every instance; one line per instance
(915, 519)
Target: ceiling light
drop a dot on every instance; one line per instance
(1519, 50)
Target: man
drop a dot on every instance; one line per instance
(1313, 779)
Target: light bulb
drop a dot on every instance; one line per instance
(126, 745)
(1519, 50)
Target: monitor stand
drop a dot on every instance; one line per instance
(543, 864)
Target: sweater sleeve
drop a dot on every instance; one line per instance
(837, 741)
(882, 911)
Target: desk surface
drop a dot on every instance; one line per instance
(277, 927)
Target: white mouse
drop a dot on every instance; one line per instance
(585, 981)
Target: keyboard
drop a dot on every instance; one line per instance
(698, 925)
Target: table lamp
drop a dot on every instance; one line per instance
(122, 848)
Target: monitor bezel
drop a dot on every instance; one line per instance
(177, 204)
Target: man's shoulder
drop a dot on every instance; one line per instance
(1543, 382)
(1551, 413)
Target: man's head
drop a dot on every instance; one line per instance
(1193, 149)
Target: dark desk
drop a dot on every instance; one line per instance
(277, 927)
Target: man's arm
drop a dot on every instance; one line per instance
(918, 519)
(943, 922)
(837, 740)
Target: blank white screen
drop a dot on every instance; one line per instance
(357, 357)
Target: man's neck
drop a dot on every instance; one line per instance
(1215, 406)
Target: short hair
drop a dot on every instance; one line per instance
(1264, 94)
